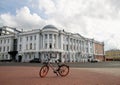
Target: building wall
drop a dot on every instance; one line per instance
(6, 43)
(112, 55)
(99, 51)
(57, 44)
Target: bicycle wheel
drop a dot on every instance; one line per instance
(43, 71)
(63, 70)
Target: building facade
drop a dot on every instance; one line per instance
(50, 42)
(99, 51)
(5, 46)
(112, 55)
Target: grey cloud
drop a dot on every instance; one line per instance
(115, 4)
(23, 19)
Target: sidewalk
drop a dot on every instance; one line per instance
(12, 75)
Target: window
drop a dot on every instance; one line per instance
(55, 36)
(50, 36)
(4, 48)
(3, 56)
(1, 41)
(45, 45)
(30, 45)
(8, 40)
(67, 47)
(0, 49)
(50, 46)
(20, 39)
(26, 38)
(67, 39)
(25, 56)
(87, 50)
(91, 44)
(77, 48)
(4, 41)
(7, 48)
(26, 46)
(45, 36)
(35, 37)
(30, 37)
(6, 56)
(71, 47)
(74, 40)
(20, 46)
(71, 40)
(74, 47)
(29, 56)
(54, 45)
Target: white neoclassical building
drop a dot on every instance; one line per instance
(46, 42)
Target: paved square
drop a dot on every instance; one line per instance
(23, 75)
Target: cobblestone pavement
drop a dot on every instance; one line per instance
(14, 75)
(109, 71)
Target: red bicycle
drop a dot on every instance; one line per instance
(61, 69)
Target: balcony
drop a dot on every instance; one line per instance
(51, 50)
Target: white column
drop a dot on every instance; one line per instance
(62, 57)
(48, 41)
(43, 40)
(61, 36)
(52, 41)
(40, 42)
(68, 43)
(57, 55)
(37, 55)
(57, 41)
(42, 57)
(37, 42)
(71, 58)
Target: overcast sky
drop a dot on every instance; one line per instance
(98, 19)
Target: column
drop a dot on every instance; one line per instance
(52, 41)
(37, 55)
(68, 43)
(48, 41)
(37, 42)
(61, 36)
(40, 41)
(56, 42)
(57, 56)
(42, 57)
(63, 57)
(43, 41)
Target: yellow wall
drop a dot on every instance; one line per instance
(113, 54)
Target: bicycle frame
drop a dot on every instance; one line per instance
(51, 66)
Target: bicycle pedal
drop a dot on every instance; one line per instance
(57, 74)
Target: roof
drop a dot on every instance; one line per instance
(50, 27)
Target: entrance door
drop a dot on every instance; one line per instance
(19, 58)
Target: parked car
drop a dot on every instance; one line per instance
(6, 60)
(35, 60)
(94, 60)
